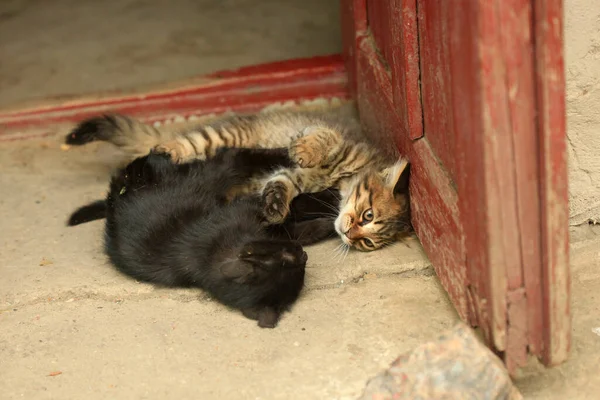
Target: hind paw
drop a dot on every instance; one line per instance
(276, 203)
(176, 150)
(267, 317)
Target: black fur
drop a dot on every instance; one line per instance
(401, 186)
(171, 225)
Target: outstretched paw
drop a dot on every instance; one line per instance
(276, 203)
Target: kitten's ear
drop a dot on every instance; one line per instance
(403, 181)
(397, 176)
(237, 270)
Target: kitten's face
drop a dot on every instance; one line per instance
(375, 208)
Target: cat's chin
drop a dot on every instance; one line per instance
(338, 230)
(337, 224)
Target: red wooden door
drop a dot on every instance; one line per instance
(473, 93)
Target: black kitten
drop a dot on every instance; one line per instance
(172, 225)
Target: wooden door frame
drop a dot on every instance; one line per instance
(500, 248)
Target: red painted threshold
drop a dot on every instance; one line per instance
(247, 89)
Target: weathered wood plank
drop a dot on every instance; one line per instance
(436, 88)
(379, 24)
(550, 81)
(517, 53)
(406, 87)
(467, 108)
(354, 25)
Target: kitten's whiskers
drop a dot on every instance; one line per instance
(331, 207)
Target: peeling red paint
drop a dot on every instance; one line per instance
(243, 90)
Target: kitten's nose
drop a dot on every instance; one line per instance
(348, 223)
(353, 234)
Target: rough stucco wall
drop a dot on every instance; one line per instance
(582, 51)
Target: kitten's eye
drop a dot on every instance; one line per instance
(368, 215)
(369, 243)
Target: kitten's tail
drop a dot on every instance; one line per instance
(91, 212)
(131, 135)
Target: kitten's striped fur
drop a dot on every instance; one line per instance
(328, 150)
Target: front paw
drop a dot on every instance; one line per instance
(176, 150)
(276, 203)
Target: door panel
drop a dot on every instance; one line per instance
(405, 64)
(434, 37)
(550, 90)
(524, 303)
(395, 48)
(378, 21)
(488, 183)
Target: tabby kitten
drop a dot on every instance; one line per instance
(328, 152)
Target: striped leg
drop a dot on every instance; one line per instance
(203, 142)
(181, 150)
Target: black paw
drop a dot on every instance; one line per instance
(268, 254)
(275, 199)
(267, 317)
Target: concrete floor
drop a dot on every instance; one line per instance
(63, 309)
